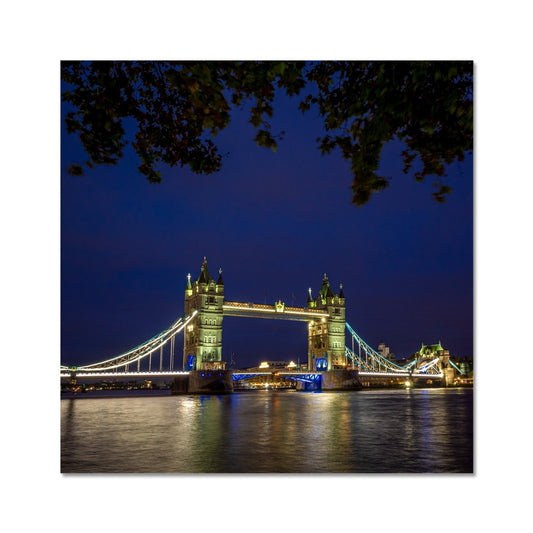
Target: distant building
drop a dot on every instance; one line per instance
(434, 355)
(465, 364)
(384, 351)
(430, 351)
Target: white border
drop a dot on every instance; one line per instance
(37, 35)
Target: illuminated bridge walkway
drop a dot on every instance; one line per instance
(277, 311)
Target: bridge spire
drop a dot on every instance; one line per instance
(325, 290)
(204, 277)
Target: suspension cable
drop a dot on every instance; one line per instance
(143, 350)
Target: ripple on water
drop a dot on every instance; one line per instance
(394, 431)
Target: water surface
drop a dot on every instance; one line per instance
(394, 431)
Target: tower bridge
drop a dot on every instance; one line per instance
(330, 364)
(202, 349)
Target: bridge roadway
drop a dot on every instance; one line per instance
(128, 374)
(222, 381)
(238, 375)
(170, 373)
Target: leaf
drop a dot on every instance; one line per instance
(75, 170)
(363, 105)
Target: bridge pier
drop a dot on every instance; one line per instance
(449, 376)
(341, 379)
(334, 380)
(204, 382)
(308, 386)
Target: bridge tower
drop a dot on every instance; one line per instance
(326, 335)
(202, 348)
(429, 352)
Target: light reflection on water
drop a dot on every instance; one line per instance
(397, 431)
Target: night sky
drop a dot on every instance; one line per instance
(274, 223)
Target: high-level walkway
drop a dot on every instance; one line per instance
(276, 311)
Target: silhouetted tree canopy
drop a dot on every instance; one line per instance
(178, 108)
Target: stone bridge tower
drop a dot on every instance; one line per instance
(326, 335)
(202, 349)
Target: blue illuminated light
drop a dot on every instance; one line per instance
(191, 362)
(322, 363)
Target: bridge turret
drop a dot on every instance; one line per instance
(203, 339)
(188, 287)
(326, 335)
(220, 283)
(204, 278)
(310, 303)
(325, 294)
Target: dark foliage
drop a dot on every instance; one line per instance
(178, 108)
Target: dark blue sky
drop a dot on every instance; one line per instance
(275, 223)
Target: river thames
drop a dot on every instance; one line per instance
(387, 431)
